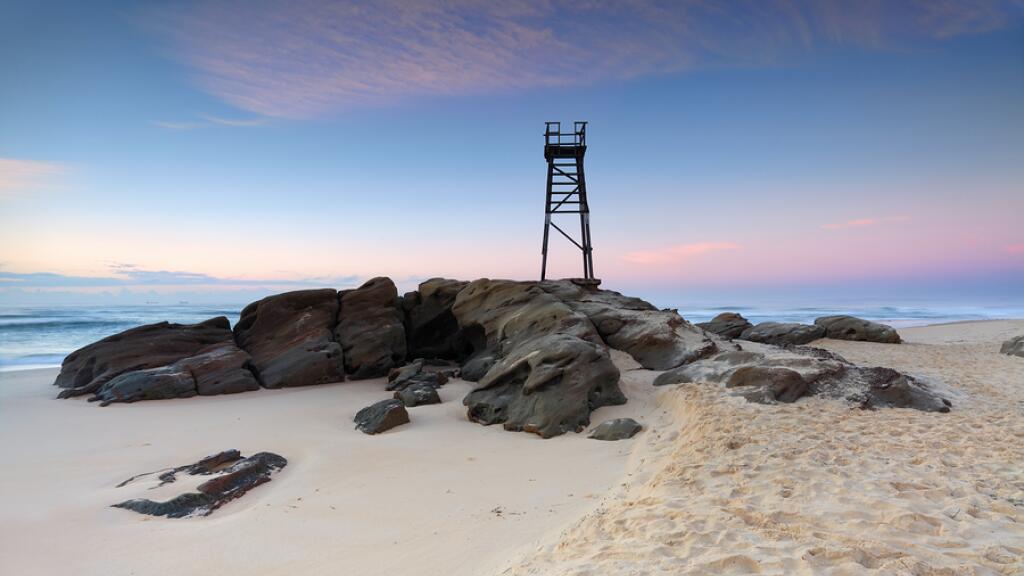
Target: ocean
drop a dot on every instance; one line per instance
(40, 337)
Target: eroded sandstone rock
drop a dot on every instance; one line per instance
(853, 328)
(233, 476)
(727, 325)
(617, 429)
(782, 333)
(86, 370)
(550, 367)
(290, 338)
(381, 417)
(370, 329)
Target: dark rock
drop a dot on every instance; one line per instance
(382, 416)
(770, 384)
(475, 368)
(431, 328)
(290, 338)
(552, 368)
(779, 333)
(784, 374)
(878, 387)
(161, 383)
(657, 339)
(220, 369)
(230, 483)
(418, 395)
(414, 374)
(547, 386)
(370, 329)
(852, 328)
(86, 370)
(1013, 347)
(727, 325)
(617, 429)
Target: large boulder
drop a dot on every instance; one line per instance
(546, 366)
(547, 386)
(727, 325)
(1013, 347)
(149, 347)
(290, 337)
(370, 329)
(657, 339)
(853, 328)
(782, 333)
(430, 326)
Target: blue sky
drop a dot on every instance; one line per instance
(748, 145)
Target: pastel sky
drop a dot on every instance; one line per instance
(219, 146)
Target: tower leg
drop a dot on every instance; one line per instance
(544, 248)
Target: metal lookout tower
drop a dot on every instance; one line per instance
(567, 189)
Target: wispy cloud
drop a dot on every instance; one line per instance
(863, 222)
(206, 121)
(124, 275)
(305, 57)
(678, 252)
(24, 176)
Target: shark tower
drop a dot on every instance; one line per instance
(567, 190)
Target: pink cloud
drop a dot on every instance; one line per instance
(678, 252)
(20, 176)
(307, 57)
(863, 222)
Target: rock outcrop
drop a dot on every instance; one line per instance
(290, 338)
(88, 369)
(219, 369)
(232, 479)
(769, 374)
(370, 329)
(1013, 347)
(853, 328)
(381, 417)
(657, 339)
(431, 329)
(617, 429)
(783, 333)
(550, 367)
(727, 325)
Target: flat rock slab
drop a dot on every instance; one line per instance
(382, 416)
(233, 476)
(617, 429)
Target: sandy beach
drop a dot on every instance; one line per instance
(713, 485)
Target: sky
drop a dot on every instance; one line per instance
(812, 149)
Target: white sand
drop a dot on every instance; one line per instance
(440, 495)
(818, 488)
(714, 485)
